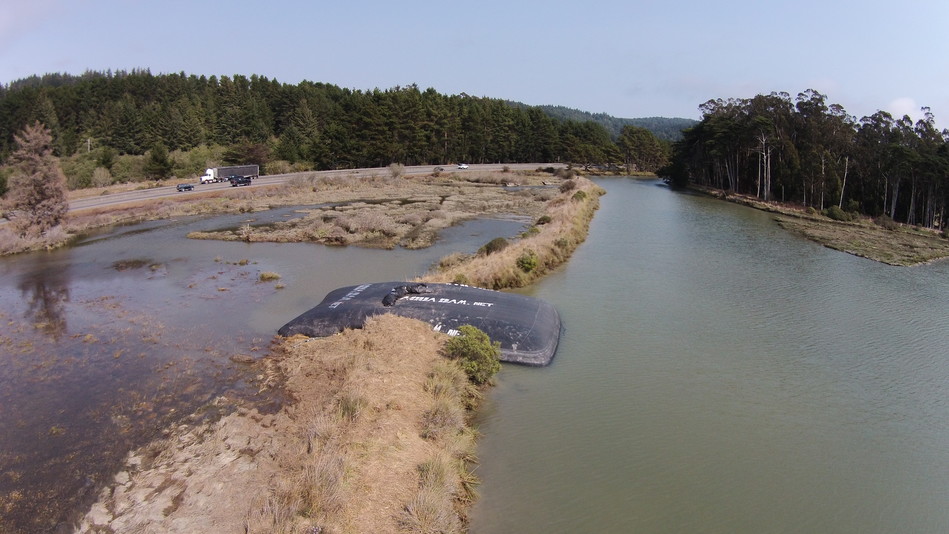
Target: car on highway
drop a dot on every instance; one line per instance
(239, 180)
(185, 187)
(462, 165)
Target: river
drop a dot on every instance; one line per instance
(718, 374)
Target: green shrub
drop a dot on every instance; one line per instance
(569, 185)
(579, 195)
(544, 219)
(533, 230)
(837, 214)
(527, 261)
(495, 245)
(478, 356)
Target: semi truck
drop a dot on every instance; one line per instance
(223, 174)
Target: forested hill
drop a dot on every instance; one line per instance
(318, 125)
(667, 129)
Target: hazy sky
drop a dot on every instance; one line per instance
(627, 58)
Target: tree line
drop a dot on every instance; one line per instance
(314, 125)
(813, 153)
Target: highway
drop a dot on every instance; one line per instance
(170, 191)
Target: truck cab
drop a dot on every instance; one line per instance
(209, 177)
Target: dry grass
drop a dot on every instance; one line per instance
(268, 276)
(363, 463)
(548, 245)
(406, 212)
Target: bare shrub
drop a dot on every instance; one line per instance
(396, 170)
(245, 232)
(9, 241)
(101, 177)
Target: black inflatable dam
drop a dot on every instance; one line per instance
(527, 328)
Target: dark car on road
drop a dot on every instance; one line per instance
(239, 180)
(185, 187)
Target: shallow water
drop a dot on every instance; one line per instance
(720, 375)
(107, 342)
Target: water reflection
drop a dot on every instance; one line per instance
(45, 292)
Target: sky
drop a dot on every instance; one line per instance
(626, 58)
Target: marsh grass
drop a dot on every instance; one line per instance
(568, 217)
(268, 276)
(431, 511)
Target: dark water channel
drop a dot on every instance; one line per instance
(107, 342)
(719, 375)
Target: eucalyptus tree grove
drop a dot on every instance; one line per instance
(813, 153)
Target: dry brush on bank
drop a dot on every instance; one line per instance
(878, 239)
(543, 247)
(374, 440)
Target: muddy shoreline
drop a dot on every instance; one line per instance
(893, 244)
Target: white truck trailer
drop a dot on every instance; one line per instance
(223, 174)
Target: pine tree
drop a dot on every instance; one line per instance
(38, 185)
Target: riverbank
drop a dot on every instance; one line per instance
(886, 242)
(375, 438)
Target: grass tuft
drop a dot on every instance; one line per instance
(268, 276)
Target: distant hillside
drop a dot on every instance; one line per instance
(669, 129)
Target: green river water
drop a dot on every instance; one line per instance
(719, 375)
